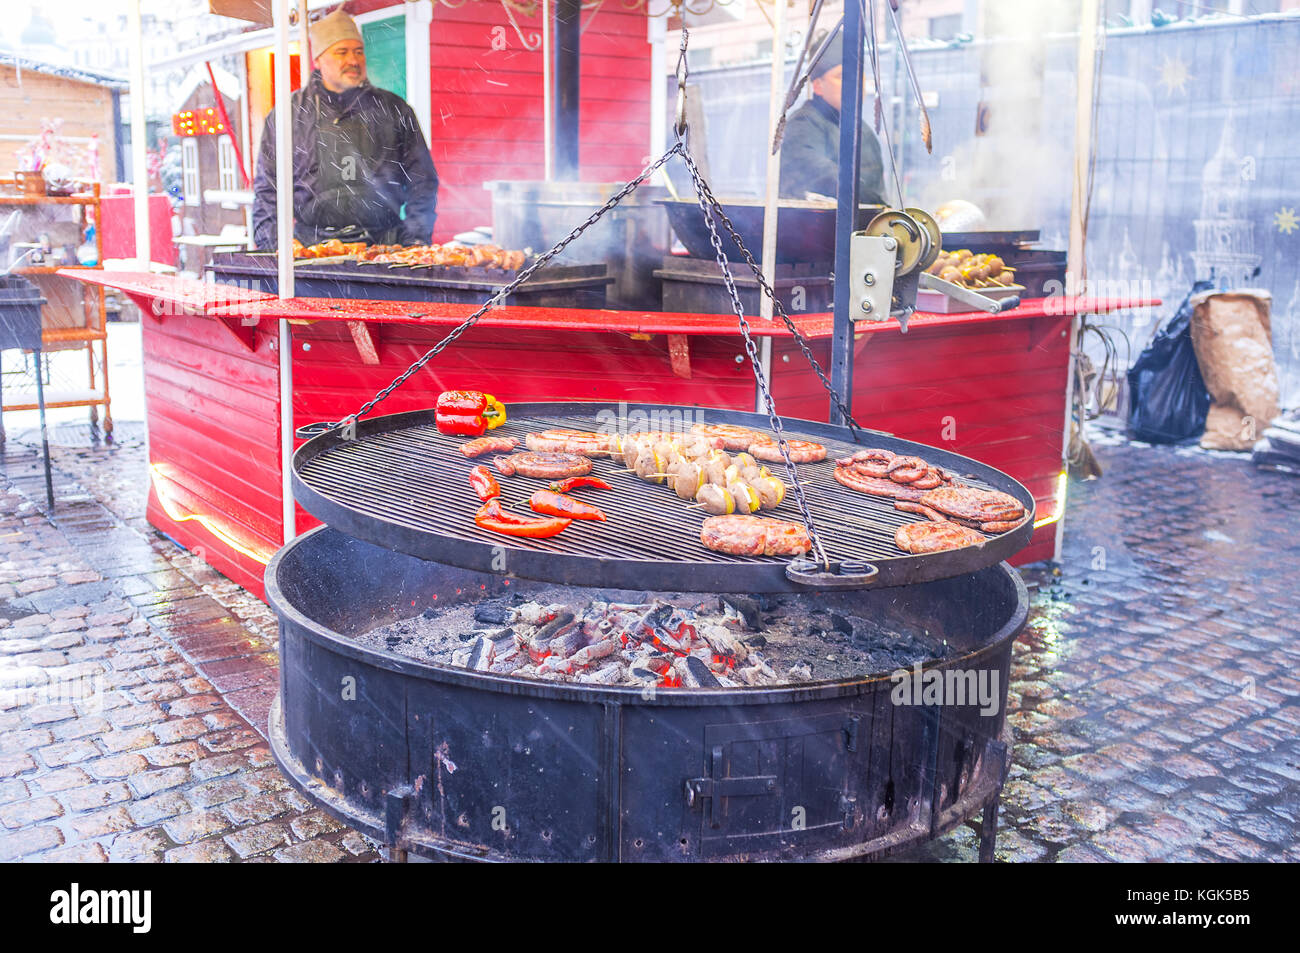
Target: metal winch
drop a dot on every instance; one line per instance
(888, 262)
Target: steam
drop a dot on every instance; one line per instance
(1014, 170)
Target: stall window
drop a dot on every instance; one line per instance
(190, 171)
(227, 179)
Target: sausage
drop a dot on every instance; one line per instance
(482, 445)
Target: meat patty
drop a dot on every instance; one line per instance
(569, 441)
(932, 537)
(876, 486)
(971, 503)
(733, 437)
(754, 536)
(801, 451)
(545, 466)
(476, 448)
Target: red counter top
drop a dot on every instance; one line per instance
(992, 387)
(190, 296)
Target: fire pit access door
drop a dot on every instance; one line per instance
(771, 782)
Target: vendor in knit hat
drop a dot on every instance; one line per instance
(339, 52)
(811, 147)
(362, 171)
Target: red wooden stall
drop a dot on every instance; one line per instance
(988, 386)
(991, 387)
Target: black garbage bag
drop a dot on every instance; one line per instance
(1167, 396)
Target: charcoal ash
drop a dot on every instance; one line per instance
(670, 640)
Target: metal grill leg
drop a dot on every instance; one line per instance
(988, 831)
(45, 435)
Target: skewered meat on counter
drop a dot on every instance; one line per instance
(329, 249)
(465, 256)
(962, 267)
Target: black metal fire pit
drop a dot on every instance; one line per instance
(455, 764)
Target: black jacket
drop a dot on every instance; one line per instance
(359, 156)
(810, 155)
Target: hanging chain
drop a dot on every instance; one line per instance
(507, 290)
(709, 207)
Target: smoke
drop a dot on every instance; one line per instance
(1018, 164)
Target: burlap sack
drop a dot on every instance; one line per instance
(1233, 337)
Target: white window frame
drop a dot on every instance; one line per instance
(190, 170)
(227, 177)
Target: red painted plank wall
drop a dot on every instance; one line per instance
(214, 437)
(486, 114)
(993, 392)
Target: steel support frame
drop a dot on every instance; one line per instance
(847, 213)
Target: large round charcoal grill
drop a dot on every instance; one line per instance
(455, 764)
(402, 485)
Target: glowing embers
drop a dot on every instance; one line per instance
(655, 644)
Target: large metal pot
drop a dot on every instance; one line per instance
(632, 238)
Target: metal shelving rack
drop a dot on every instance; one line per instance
(92, 328)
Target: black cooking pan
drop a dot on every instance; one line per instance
(805, 231)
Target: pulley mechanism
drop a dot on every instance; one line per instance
(885, 262)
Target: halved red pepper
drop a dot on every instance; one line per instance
(467, 412)
(573, 483)
(557, 504)
(491, 517)
(484, 483)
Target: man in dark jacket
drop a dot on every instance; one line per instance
(811, 147)
(361, 168)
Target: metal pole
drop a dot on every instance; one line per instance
(847, 213)
(139, 133)
(548, 95)
(568, 40)
(284, 237)
(1076, 268)
(771, 198)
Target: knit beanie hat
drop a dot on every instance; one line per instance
(833, 57)
(335, 28)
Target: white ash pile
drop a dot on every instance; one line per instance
(610, 643)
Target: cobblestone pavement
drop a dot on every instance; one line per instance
(1153, 696)
(134, 683)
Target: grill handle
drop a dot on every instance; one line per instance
(308, 431)
(848, 574)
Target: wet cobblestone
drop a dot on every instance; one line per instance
(141, 757)
(1153, 703)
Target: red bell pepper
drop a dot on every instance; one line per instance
(467, 412)
(484, 483)
(573, 483)
(557, 504)
(491, 517)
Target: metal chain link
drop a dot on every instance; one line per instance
(709, 207)
(507, 290)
